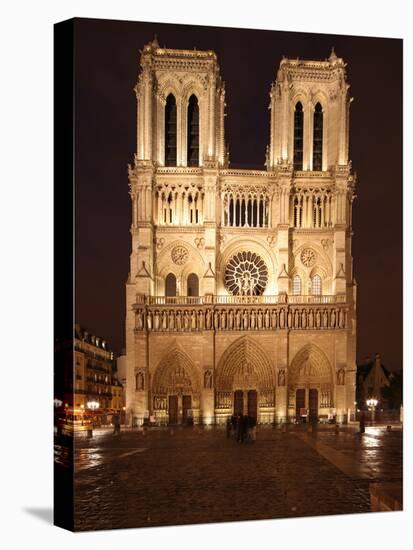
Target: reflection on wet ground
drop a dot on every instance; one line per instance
(197, 475)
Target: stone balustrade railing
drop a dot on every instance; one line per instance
(240, 300)
(161, 318)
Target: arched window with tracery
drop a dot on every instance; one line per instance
(170, 131)
(193, 132)
(296, 285)
(298, 136)
(318, 138)
(193, 285)
(316, 286)
(170, 285)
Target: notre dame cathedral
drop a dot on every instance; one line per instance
(241, 295)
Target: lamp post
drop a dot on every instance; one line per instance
(92, 405)
(372, 404)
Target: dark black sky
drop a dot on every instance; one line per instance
(107, 63)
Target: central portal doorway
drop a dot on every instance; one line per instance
(238, 402)
(251, 402)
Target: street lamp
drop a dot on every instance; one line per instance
(92, 405)
(372, 404)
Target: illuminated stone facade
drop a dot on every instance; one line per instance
(240, 295)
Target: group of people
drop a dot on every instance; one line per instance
(242, 427)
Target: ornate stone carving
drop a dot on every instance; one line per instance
(208, 380)
(199, 242)
(140, 381)
(308, 257)
(179, 255)
(160, 242)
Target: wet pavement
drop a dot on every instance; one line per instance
(197, 475)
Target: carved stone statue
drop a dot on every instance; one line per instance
(216, 320)
(267, 319)
(296, 319)
(333, 318)
(149, 320)
(208, 319)
(139, 320)
(318, 319)
(231, 319)
(193, 320)
(164, 320)
(273, 319)
(245, 319)
(238, 319)
(171, 321)
(208, 380)
(281, 377)
(223, 319)
(304, 319)
(325, 319)
(341, 319)
(201, 319)
(156, 320)
(311, 319)
(178, 320)
(259, 319)
(290, 319)
(140, 381)
(282, 318)
(340, 377)
(253, 319)
(186, 320)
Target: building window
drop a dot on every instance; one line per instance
(170, 285)
(318, 138)
(298, 136)
(170, 131)
(193, 285)
(316, 285)
(193, 132)
(296, 285)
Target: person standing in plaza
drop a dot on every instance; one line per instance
(229, 426)
(116, 424)
(362, 422)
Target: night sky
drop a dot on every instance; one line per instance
(107, 63)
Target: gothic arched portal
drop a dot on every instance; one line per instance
(310, 383)
(175, 388)
(245, 380)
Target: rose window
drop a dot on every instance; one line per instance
(246, 274)
(308, 257)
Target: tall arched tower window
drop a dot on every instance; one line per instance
(316, 285)
(170, 131)
(170, 285)
(193, 132)
(298, 136)
(193, 285)
(296, 285)
(318, 138)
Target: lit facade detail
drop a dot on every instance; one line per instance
(240, 295)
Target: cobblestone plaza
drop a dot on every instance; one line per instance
(197, 475)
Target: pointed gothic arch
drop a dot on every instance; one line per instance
(310, 364)
(244, 365)
(175, 373)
